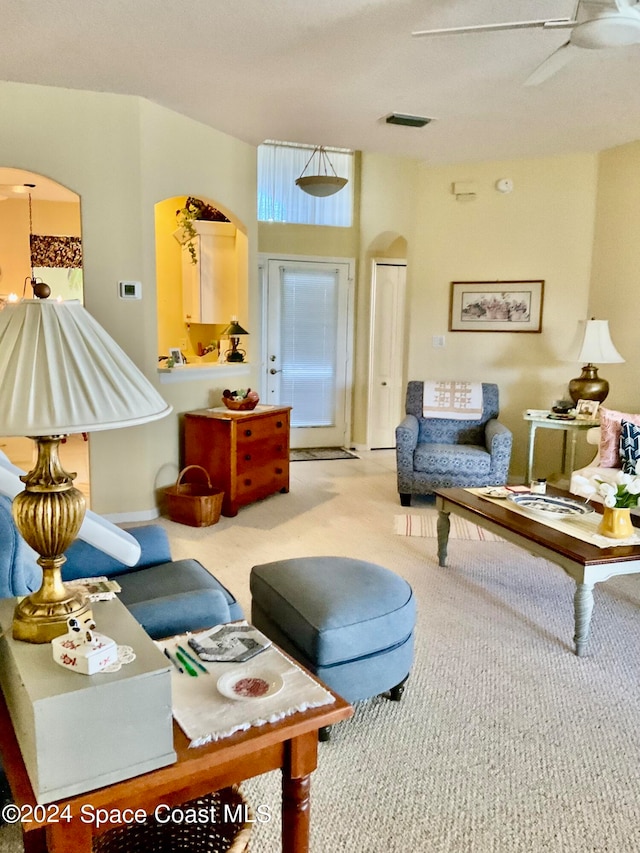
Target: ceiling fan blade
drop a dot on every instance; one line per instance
(483, 28)
(552, 64)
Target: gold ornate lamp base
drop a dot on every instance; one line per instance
(589, 386)
(48, 514)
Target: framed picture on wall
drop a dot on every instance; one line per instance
(496, 306)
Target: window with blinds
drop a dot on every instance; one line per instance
(308, 322)
(280, 200)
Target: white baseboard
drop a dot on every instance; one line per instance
(141, 515)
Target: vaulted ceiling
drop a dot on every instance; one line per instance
(330, 71)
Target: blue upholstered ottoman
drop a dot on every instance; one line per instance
(350, 622)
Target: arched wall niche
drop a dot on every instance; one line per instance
(388, 244)
(173, 331)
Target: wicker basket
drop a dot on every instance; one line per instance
(195, 504)
(229, 830)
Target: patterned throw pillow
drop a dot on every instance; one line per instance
(610, 421)
(629, 446)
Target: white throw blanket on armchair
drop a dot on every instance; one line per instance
(460, 401)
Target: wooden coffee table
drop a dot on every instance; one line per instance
(585, 563)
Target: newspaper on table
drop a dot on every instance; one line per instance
(97, 589)
(230, 644)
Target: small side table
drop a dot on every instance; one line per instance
(538, 418)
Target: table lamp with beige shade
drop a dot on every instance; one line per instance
(592, 344)
(62, 374)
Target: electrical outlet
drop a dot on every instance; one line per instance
(437, 341)
(183, 344)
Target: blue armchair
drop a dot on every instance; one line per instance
(442, 453)
(167, 597)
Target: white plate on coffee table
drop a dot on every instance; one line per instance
(243, 685)
(552, 507)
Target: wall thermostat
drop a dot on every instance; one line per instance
(130, 289)
(504, 185)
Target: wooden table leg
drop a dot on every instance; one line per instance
(296, 792)
(583, 607)
(72, 835)
(442, 527)
(296, 805)
(35, 841)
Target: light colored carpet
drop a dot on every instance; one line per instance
(425, 526)
(504, 741)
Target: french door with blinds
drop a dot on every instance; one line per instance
(309, 346)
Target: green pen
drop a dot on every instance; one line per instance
(193, 660)
(185, 663)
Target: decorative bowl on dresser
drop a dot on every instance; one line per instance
(240, 405)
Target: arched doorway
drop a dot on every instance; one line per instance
(41, 238)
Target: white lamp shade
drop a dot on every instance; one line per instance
(593, 344)
(62, 373)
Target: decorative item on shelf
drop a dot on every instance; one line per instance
(241, 400)
(233, 332)
(320, 182)
(563, 407)
(587, 409)
(62, 374)
(592, 344)
(618, 498)
(196, 210)
(82, 649)
(175, 355)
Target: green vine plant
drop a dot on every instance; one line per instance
(196, 210)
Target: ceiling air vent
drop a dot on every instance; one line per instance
(407, 121)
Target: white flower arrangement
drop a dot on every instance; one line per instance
(624, 491)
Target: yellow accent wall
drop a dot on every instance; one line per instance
(49, 217)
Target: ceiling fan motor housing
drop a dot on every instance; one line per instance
(609, 29)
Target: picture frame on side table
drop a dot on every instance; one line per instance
(587, 409)
(176, 355)
(496, 306)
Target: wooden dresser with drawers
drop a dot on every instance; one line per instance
(245, 453)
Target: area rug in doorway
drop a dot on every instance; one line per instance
(310, 454)
(425, 525)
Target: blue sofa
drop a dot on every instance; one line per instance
(166, 596)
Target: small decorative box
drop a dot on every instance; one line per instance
(81, 655)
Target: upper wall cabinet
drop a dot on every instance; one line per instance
(210, 286)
